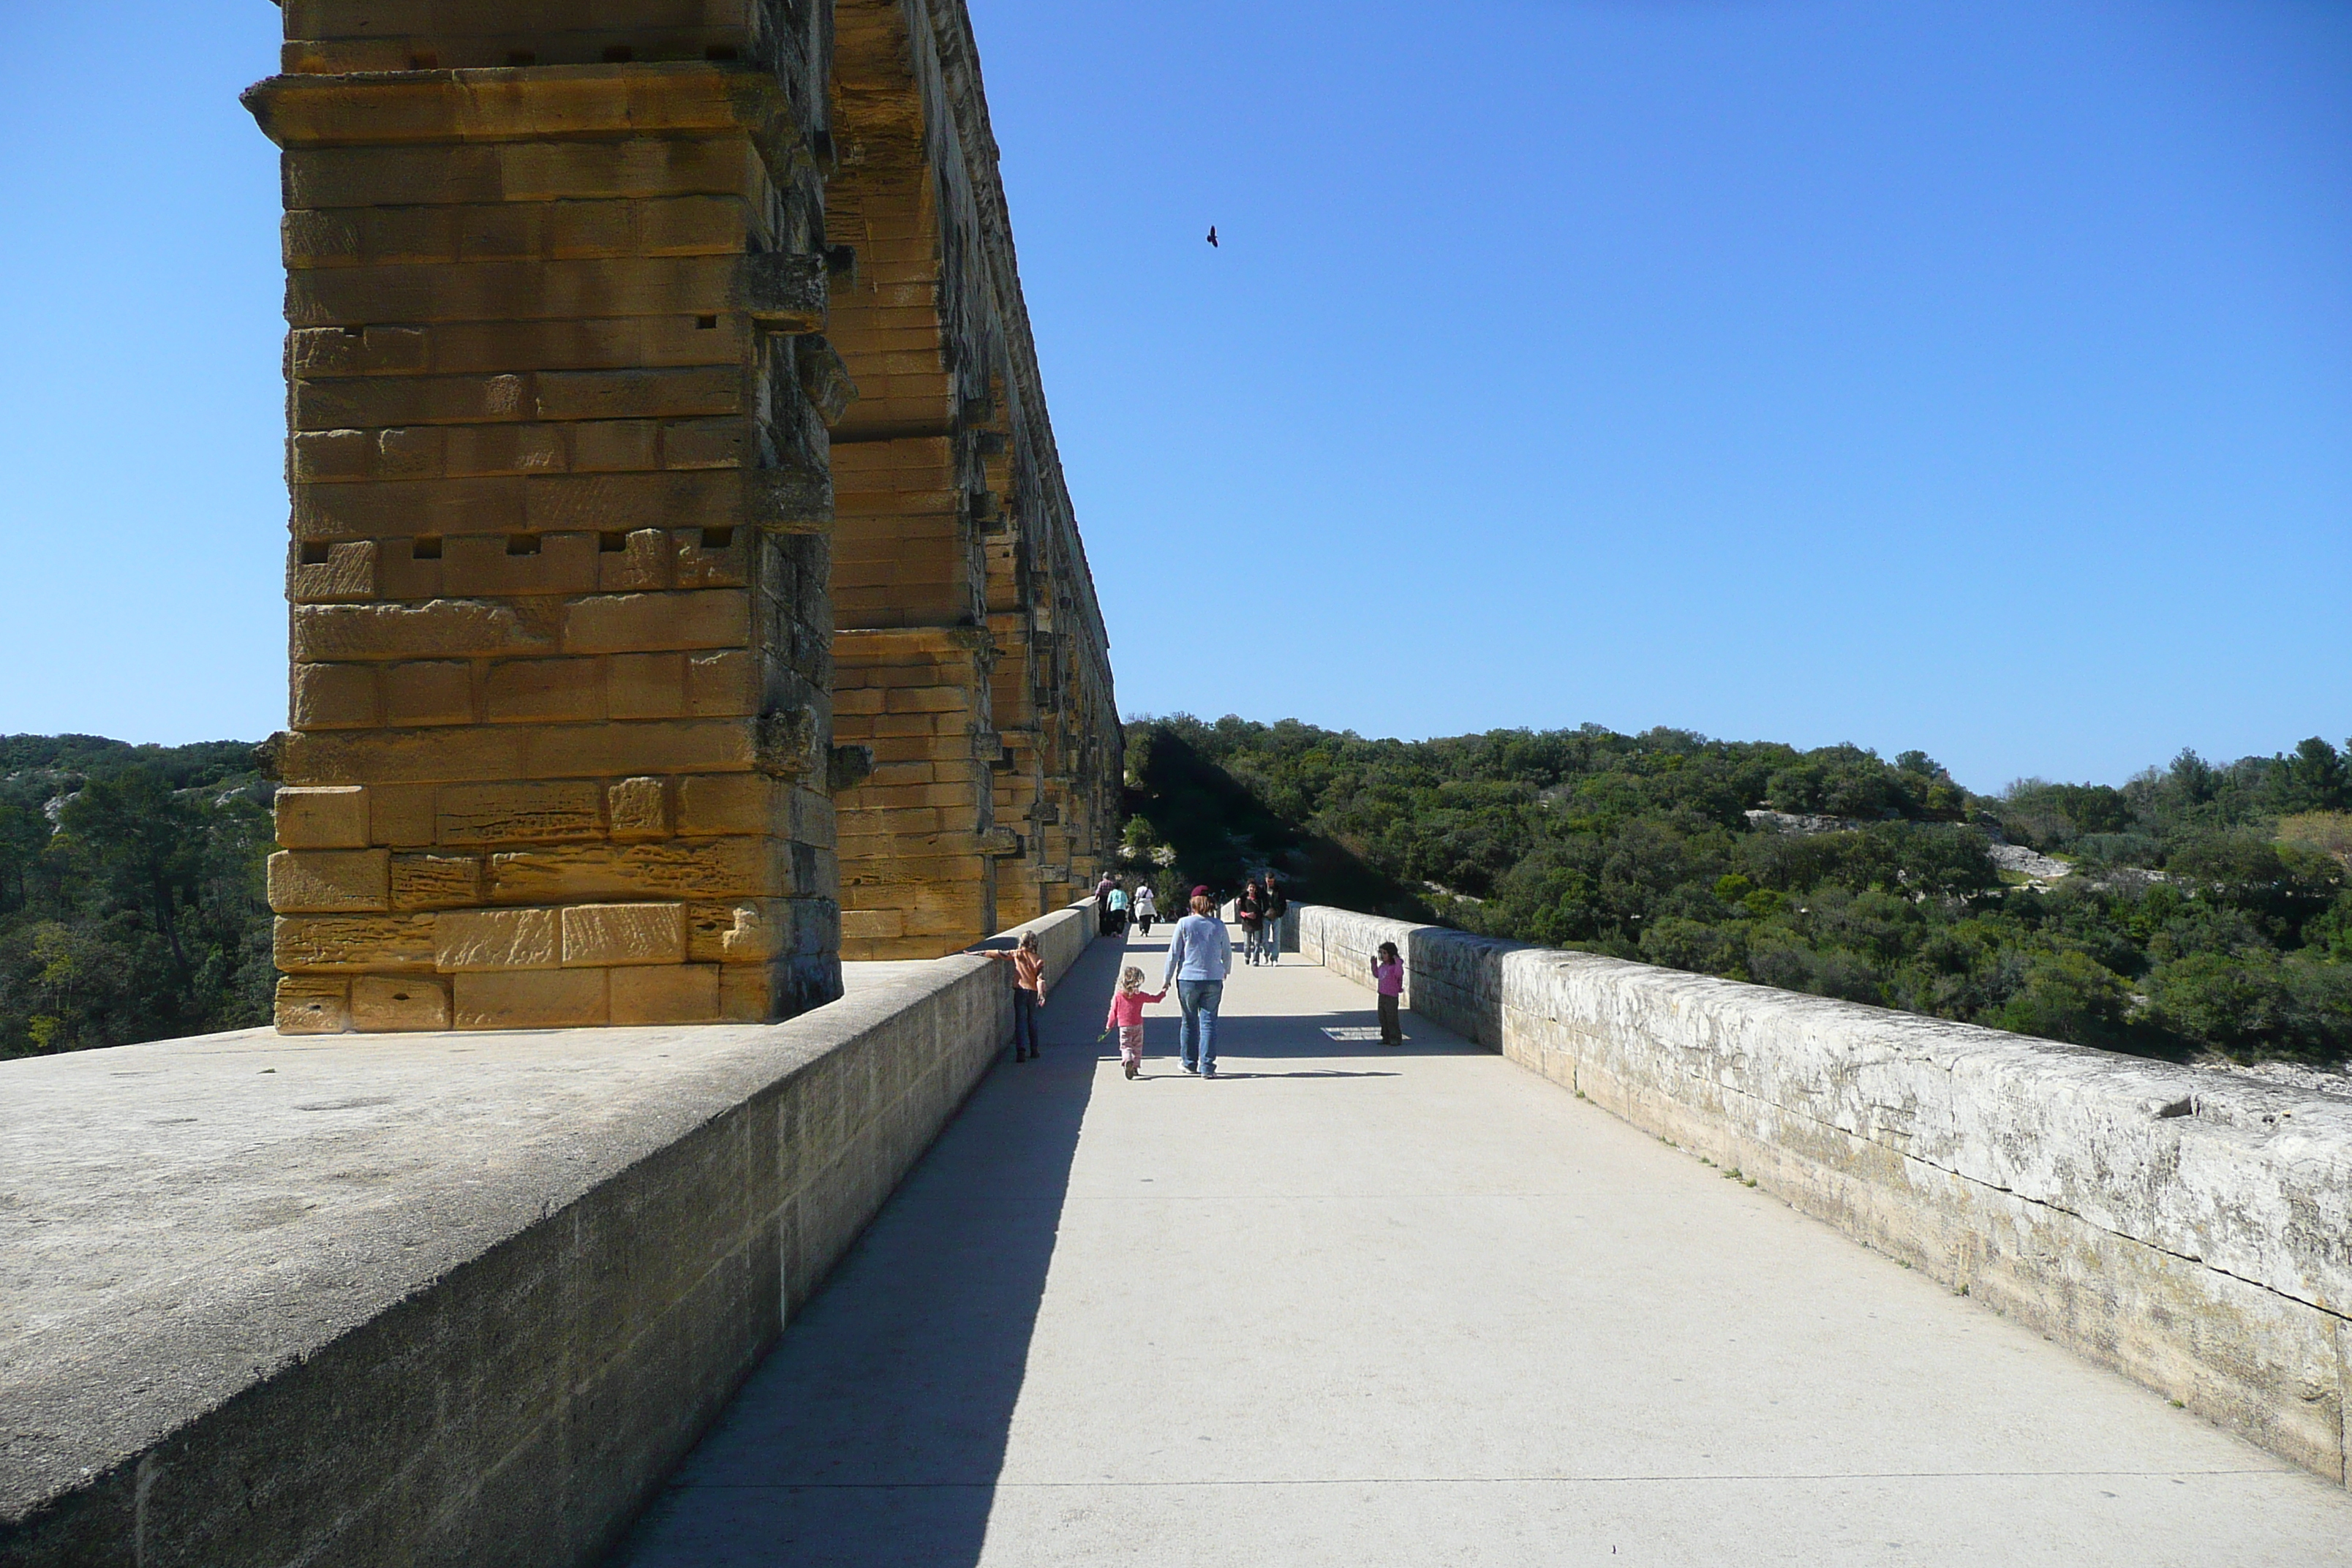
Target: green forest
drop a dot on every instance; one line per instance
(2196, 910)
(2199, 908)
(131, 891)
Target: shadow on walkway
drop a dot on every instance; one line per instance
(874, 1432)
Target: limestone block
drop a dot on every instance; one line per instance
(544, 690)
(433, 691)
(347, 572)
(313, 1005)
(666, 993)
(716, 804)
(330, 882)
(723, 684)
(401, 814)
(373, 351)
(616, 446)
(586, 344)
(528, 999)
(334, 697)
(705, 443)
(538, 290)
(520, 563)
(871, 925)
(372, 402)
(633, 562)
(516, 813)
(747, 993)
(928, 700)
(454, 754)
(604, 935)
(648, 746)
(444, 629)
(756, 931)
(638, 808)
(313, 943)
(714, 869)
(477, 941)
(435, 881)
(695, 225)
(640, 394)
(492, 449)
(401, 1002)
(321, 816)
(645, 685)
(643, 623)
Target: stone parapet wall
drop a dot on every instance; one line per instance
(2189, 1229)
(453, 1299)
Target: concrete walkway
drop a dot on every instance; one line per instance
(1353, 1307)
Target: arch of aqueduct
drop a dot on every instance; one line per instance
(685, 592)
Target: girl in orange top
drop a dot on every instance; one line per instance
(1028, 994)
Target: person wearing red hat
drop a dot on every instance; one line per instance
(1199, 956)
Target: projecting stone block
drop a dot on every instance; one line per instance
(636, 561)
(666, 993)
(435, 881)
(641, 623)
(333, 696)
(437, 691)
(482, 941)
(306, 943)
(330, 816)
(445, 628)
(387, 1003)
(313, 1005)
(528, 999)
(330, 882)
(710, 869)
(638, 808)
(516, 813)
(603, 936)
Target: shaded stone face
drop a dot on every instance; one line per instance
(597, 321)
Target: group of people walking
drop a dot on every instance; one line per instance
(1115, 907)
(1199, 958)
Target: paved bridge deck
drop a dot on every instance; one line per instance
(1351, 1306)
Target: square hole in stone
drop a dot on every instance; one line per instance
(313, 553)
(718, 538)
(619, 55)
(719, 54)
(522, 544)
(521, 57)
(427, 548)
(706, 323)
(613, 543)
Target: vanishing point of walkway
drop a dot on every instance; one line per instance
(1356, 1307)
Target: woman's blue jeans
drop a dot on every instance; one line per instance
(1196, 1038)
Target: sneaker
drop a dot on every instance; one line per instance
(1130, 1069)
(1208, 1072)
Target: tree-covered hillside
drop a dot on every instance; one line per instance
(2199, 908)
(131, 891)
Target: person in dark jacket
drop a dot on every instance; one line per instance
(1250, 911)
(1275, 907)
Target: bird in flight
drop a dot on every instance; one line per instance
(1212, 235)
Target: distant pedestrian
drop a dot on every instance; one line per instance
(1199, 956)
(1250, 909)
(1126, 1016)
(1102, 905)
(1276, 906)
(1146, 910)
(1028, 994)
(1388, 978)
(1118, 911)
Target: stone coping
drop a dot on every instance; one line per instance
(184, 1221)
(2190, 1228)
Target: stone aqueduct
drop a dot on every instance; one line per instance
(686, 595)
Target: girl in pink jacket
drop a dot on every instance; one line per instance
(1126, 1016)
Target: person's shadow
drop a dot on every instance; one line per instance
(873, 1433)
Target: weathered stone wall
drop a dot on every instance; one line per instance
(971, 654)
(562, 639)
(2189, 1229)
(453, 1299)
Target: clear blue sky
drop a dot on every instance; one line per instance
(1973, 377)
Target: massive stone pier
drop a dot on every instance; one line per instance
(680, 556)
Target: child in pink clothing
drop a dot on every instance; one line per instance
(1126, 1017)
(1387, 977)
